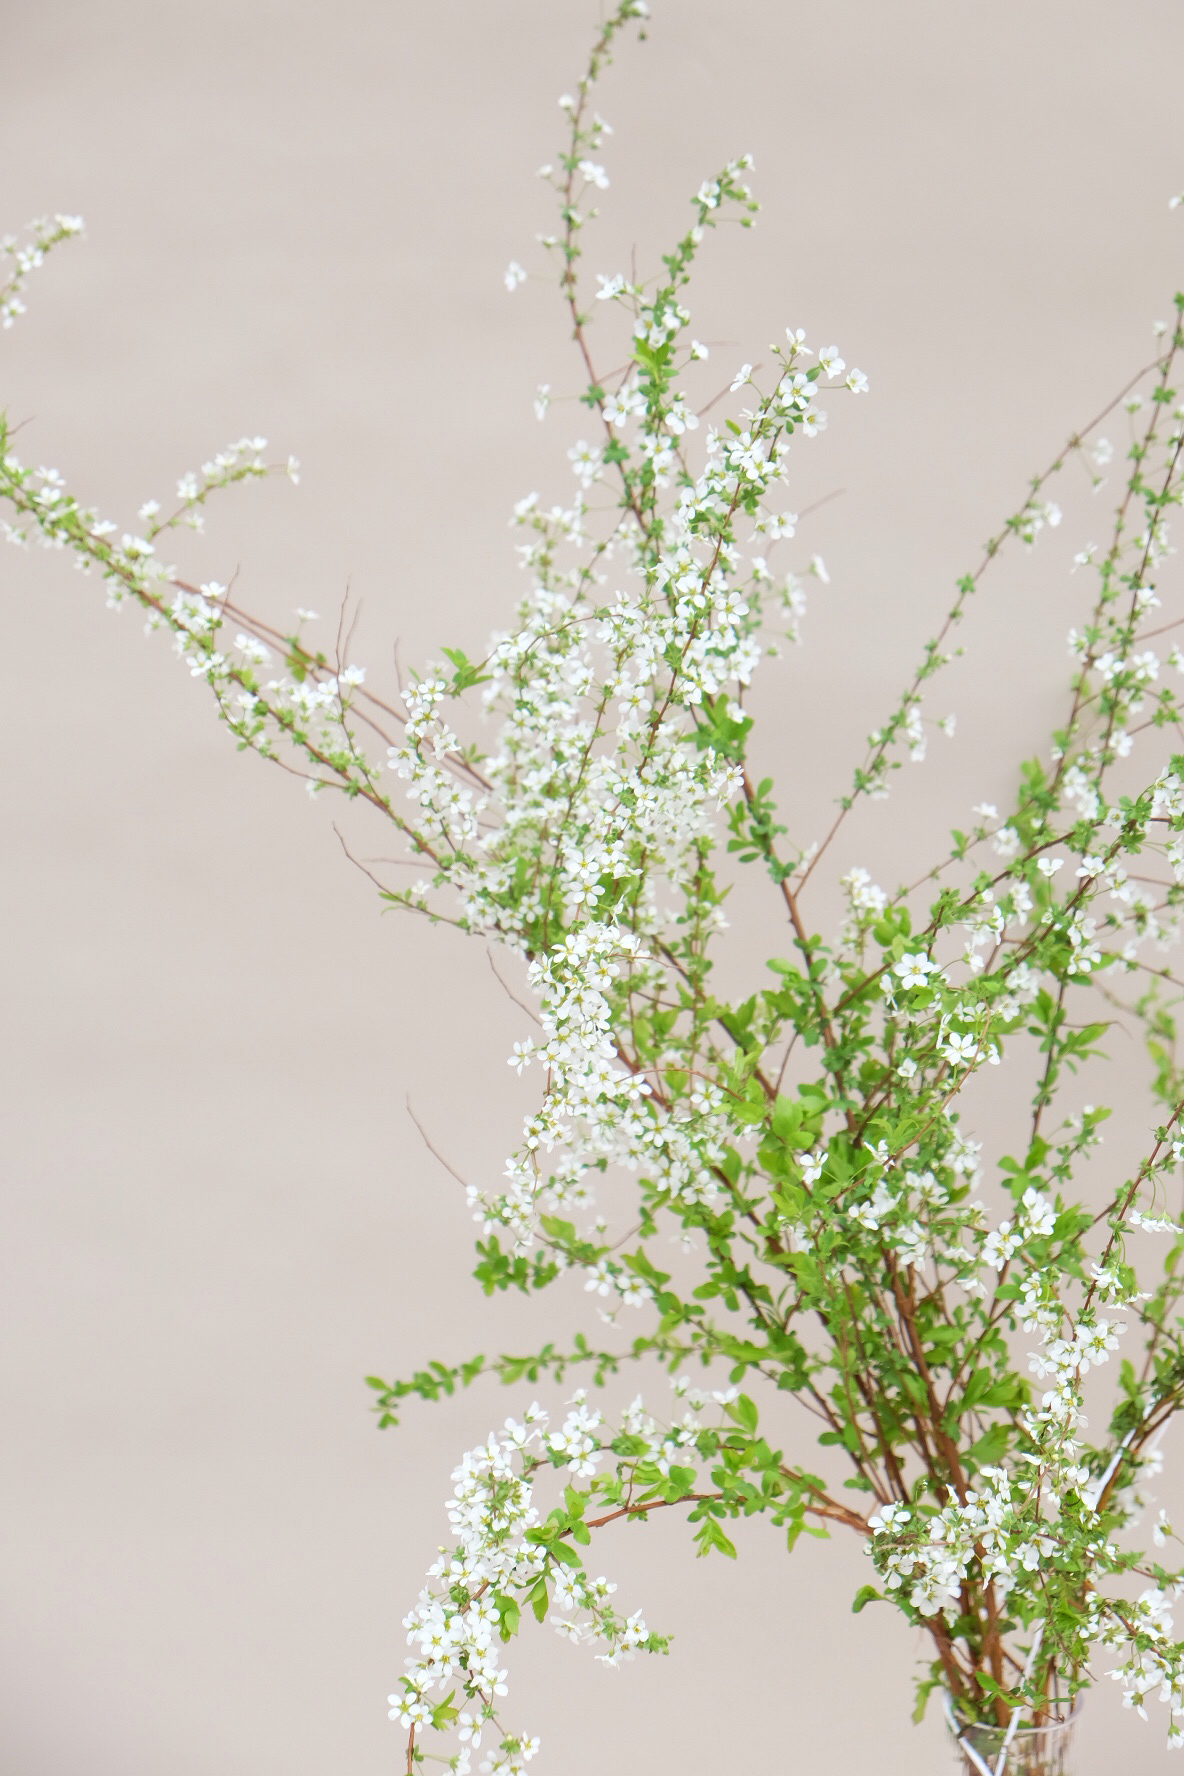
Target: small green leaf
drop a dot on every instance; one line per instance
(743, 1410)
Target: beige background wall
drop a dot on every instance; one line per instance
(217, 1216)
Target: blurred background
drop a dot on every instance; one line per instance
(218, 1214)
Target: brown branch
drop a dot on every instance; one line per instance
(433, 1150)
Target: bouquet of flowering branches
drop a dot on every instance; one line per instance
(568, 797)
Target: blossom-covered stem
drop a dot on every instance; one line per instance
(315, 664)
(1120, 1206)
(1138, 579)
(46, 233)
(1109, 566)
(932, 658)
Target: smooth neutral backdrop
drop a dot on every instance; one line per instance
(217, 1214)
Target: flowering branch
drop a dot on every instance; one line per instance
(582, 797)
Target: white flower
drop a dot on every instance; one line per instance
(586, 462)
(742, 376)
(610, 287)
(1154, 1223)
(1001, 1245)
(830, 360)
(914, 970)
(1037, 1213)
(870, 1213)
(514, 275)
(600, 1280)
(888, 1517)
(252, 649)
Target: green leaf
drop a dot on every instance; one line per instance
(711, 1535)
(787, 1118)
(743, 1410)
(990, 1448)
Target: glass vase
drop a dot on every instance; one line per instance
(1044, 1750)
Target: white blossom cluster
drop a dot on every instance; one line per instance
(499, 1562)
(1049, 1513)
(25, 256)
(600, 777)
(596, 1110)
